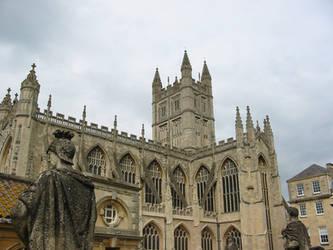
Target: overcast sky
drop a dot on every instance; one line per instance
(275, 57)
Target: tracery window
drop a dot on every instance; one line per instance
(181, 239)
(156, 177)
(128, 169)
(180, 179)
(230, 186)
(206, 240)
(234, 236)
(202, 179)
(151, 239)
(96, 162)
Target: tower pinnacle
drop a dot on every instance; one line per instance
(186, 67)
(205, 73)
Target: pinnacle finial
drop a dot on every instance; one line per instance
(205, 72)
(239, 123)
(157, 79)
(7, 99)
(143, 130)
(8, 91)
(33, 66)
(84, 113)
(186, 67)
(249, 122)
(258, 127)
(49, 102)
(115, 122)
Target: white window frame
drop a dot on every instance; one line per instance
(304, 210)
(300, 189)
(316, 185)
(323, 234)
(322, 208)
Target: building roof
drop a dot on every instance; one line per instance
(313, 170)
(10, 189)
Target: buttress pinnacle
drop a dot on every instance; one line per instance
(249, 122)
(239, 123)
(186, 67)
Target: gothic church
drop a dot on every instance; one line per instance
(181, 190)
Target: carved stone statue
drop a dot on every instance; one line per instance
(296, 235)
(231, 245)
(58, 211)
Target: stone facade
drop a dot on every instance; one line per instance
(180, 190)
(311, 193)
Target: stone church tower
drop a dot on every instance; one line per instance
(181, 190)
(183, 114)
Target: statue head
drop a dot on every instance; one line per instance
(62, 146)
(293, 212)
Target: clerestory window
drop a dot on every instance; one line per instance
(96, 162)
(156, 178)
(128, 169)
(180, 179)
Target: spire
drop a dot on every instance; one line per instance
(205, 73)
(157, 79)
(239, 123)
(186, 67)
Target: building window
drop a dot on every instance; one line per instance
(233, 239)
(202, 178)
(128, 169)
(163, 111)
(151, 239)
(323, 235)
(206, 240)
(110, 214)
(302, 209)
(156, 178)
(319, 208)
(316, 187)
(180, 239)
(177, 105)
(230, 186)
(300, 189)
(96, 162)
(180, 179)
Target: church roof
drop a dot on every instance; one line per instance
(313, 170)
(10, 189)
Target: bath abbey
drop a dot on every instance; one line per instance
(179, 190)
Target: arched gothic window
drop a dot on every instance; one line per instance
(234, 236)
(5, 157)
(206, 240)
(151, 239)
(96, 162)
(156, 177)
(230, 186)
(128, 169)
(263, 176)
(202, 179)
(180, 179)
(181, 239)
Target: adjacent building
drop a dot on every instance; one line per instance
(311, 192)
(181, 190)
